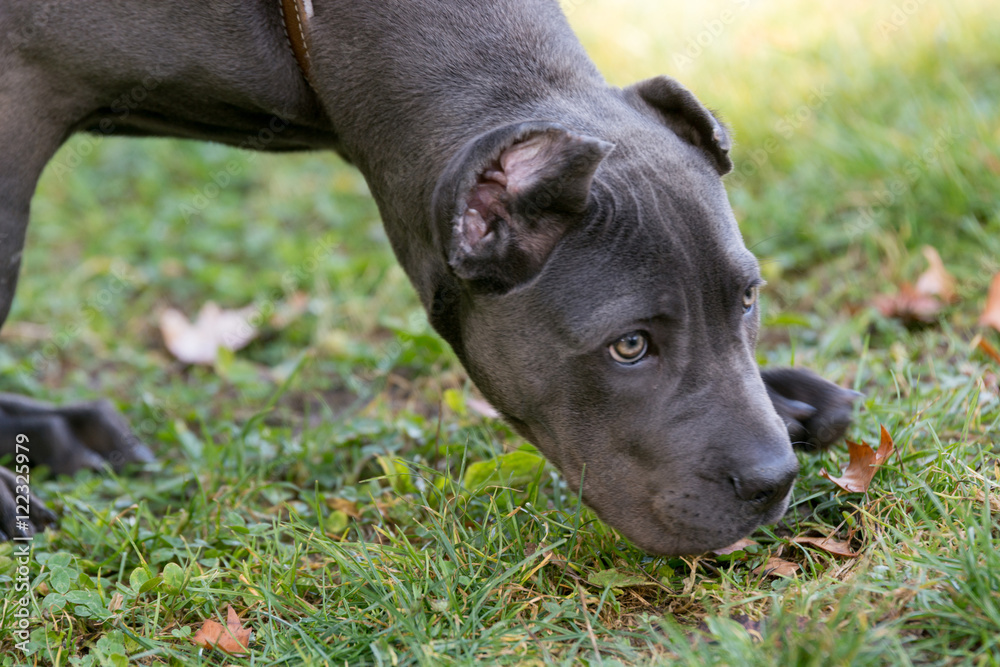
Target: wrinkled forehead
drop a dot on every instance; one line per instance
(675, 198)
(654, 247)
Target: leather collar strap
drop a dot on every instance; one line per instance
(296, 15)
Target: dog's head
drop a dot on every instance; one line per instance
(602, 298)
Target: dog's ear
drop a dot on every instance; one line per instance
(508, 198)
(681, 111)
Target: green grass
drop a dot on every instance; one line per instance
(332, 484)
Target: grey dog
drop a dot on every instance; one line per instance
(571, 240)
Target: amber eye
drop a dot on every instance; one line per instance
(630, 348)
(750, 298)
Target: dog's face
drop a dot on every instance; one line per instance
(604, 301)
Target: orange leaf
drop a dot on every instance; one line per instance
(829, 545)
(775, 567)
(732, 548)
(936, 280)
(991, 314)
(985, 346)
(864, 461)
(232, 638)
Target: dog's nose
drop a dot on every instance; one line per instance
(766, 485)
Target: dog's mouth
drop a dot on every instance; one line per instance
(666, 503)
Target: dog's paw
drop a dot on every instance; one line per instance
(69, 438)
(817, 411)
(22, 513)
(66, 439)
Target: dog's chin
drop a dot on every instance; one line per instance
(666, 535)
(775, 514)
(687, 523)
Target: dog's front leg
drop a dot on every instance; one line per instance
(35, 117)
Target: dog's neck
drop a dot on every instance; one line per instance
(296, 15)
(411, 82)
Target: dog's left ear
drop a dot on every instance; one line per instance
(681, 111)
(509, 196)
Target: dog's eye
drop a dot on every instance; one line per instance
(750, 298)
(630, 348)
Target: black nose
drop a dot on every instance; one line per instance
(766, 486)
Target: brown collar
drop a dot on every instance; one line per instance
(296, 15)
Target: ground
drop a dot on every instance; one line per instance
(335, 482)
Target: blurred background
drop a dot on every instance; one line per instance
(864, 131)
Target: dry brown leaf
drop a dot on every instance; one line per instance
(232, 637)
(732, 548)
(991, 314)
(829, 545)
(214, 328)
(987, 349)
(935, 280)
(922, 302)
(863, 464)
(776, 567)
(993, 500)
(909, 305)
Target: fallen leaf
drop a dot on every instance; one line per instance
(909, 305)
(829, 545)
(863, 464)
(776, 567)
(993, 500)
(935, 280)
(985, 346)
(117, 600)
(232, 637)
(482, 408)
(991, 314)
(736, 546)
(214, 328)
(922, 302)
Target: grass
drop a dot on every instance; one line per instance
(333, 482)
